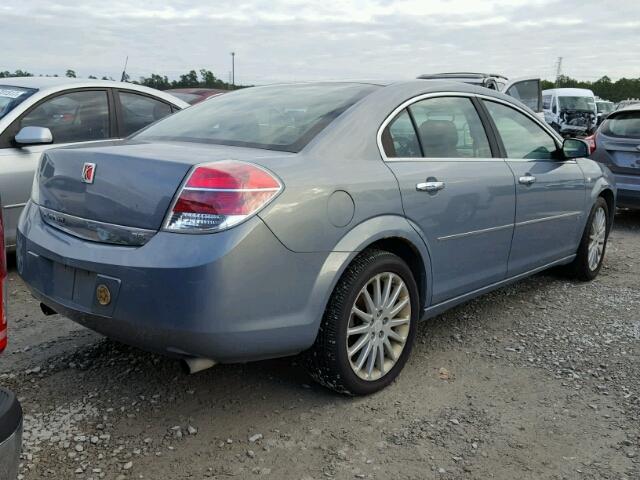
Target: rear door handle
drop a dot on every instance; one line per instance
(527, 179)
(430, 186)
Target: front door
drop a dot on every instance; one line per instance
(458, 196)
(550, 192)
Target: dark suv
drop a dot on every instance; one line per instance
(616, 144)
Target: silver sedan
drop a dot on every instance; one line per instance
(37, 113)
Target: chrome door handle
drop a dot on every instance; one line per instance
(430, 187)
(527, 179)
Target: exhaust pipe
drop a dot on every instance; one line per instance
(47, 310)
(195, 365)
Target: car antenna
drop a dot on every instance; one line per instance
(125, 77)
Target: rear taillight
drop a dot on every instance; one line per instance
(3, 289)
(219, 195)
(591, 141)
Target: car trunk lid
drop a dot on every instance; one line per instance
(623, 152)
(132, 184)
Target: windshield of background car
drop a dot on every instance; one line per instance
(604, 107)
(281, 117)
(11, 97)
(624, 124)
(577, 103)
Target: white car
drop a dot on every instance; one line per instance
(38, 113)
(570, 111)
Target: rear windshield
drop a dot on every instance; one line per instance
(577, 103)
(282, 117)
(626, 124)
(11, 97)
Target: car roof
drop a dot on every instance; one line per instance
(582, 92)
(634, 107)
(55, 84)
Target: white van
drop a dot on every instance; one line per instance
(570, 111)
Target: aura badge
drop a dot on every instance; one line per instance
(88, 172)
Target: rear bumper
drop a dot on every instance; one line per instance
(232, 296)
(10, 435)
(628, 191)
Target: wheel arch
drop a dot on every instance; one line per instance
(393, 233)
(609, 197)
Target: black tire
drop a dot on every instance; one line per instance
(579, 268)
(327, 361)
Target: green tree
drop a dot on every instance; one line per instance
(159, 82)
(70, 74)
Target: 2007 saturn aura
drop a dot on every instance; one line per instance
(325, 218)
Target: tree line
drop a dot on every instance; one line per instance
(192, 79)
(604, 88)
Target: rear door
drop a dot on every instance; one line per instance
(136, 110)
(458, 195)
(75, 116)
(550, 193)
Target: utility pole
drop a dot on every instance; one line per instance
(558, 71)
(233, 68)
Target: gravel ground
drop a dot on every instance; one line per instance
(535, 381)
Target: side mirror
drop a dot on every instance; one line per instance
(575, 148)
(33, 136)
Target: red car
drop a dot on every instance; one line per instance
(195, 95)
(10, 410)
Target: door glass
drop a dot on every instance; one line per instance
(449, 127)
(528, 92)
(399, 138)
(521, 136)
(138, 111)
(72, 117)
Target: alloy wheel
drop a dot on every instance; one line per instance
(597, 238)
(378, 326)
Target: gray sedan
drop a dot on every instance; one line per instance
(324, 218)
(38, 112)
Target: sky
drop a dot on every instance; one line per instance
(291, 40)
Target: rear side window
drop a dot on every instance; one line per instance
(138, 111)
(449, 127)
(399, 138)
(521, 136)
(625, 124)
(72, 117)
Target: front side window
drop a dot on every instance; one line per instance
(546, 102)
(280, 117)
(521, 136)
(138, 111)
(72, 117)
(449, 127)
(399, 139)
(11, 97)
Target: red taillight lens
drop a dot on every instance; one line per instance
(591, 141)
(3, 290)
(220, 195)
